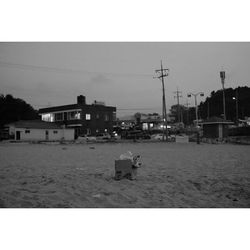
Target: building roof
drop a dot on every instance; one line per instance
(75, 106)
(36, 124)
(59, 108)
(216, 120)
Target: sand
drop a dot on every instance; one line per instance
(81, 176)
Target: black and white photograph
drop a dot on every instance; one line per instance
(124, 124)
(107, 124)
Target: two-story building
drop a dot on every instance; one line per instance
(84, 118)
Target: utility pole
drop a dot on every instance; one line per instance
(223, 76)
(163, 73)
(237, 106)
(187, 112)
(178, 96)
(236, 98)
(208, 111)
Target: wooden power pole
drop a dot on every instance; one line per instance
(178, 96)
(163, 73)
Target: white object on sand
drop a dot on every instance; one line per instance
(136, 160)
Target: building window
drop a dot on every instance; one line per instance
(55, 131)
(58, 116)
(48, 117)
(74, 115)
(88, 117)
(106, 118)
(27, 131)
(144, 126)
(97, 116)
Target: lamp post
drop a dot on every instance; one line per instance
(195, 101)
(222, 77)
(236, 98)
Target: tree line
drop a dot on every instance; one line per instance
(13, 109)
(237, 100)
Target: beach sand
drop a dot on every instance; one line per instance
(81, 176)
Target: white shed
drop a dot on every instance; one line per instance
(36, 130)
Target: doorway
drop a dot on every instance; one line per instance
(18, 135)
(47, 135)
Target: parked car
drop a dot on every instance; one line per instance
(136, 134)
(103, 136)
(86, 138)
(158, 137)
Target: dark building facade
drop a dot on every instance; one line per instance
(216, 128)
(84, 118)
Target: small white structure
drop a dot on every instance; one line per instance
(36, 130)
(181, 139)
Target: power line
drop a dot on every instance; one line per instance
(136, 109)
(66, 71)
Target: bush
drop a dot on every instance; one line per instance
(240, 131)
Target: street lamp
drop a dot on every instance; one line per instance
(236, 98)
(195, 101)
(222, 77)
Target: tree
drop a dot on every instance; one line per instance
(14, 109)
(187, 115)
(213, 105)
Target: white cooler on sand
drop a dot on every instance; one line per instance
(181, 139)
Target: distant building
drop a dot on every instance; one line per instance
(216, 128)
(36, 130)
(84, 118)
(143, 121)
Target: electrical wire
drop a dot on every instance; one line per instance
(68, 71)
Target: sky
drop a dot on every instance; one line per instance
(119, 73)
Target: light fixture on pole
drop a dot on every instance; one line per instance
(236, 98)
(195, 101)
(222, 77)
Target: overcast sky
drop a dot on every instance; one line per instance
(120, 74)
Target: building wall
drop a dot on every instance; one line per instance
(68, 134)
(40, 134)
(101, 118)
(210, 130)
(225, 130)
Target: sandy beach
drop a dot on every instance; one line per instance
(81, 176)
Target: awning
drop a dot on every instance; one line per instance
(74, 125)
